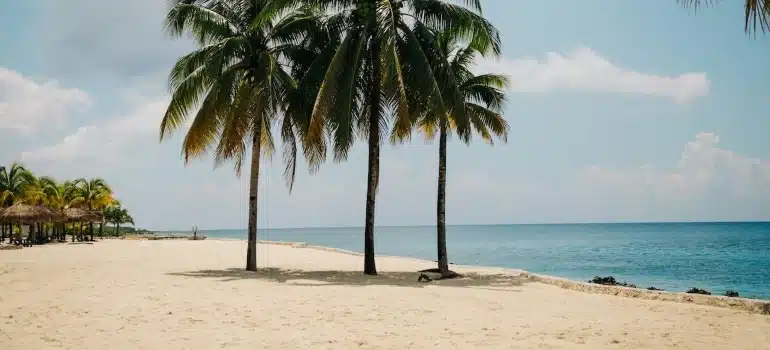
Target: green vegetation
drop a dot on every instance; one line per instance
(94, 197)
(117, 215)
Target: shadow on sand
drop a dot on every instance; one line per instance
(356, 278)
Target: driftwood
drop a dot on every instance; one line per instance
(424, 277)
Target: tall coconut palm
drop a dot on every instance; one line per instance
(756, 18)
(483, 97)
(235, 83)
(367, 77)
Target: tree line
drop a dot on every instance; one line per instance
(20, 185)
(324, 74)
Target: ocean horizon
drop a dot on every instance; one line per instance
(675, 256)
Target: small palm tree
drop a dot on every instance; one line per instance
(117, 215)
(482, 99)
(235, 84)
(15, 183)
(52, 193)
(93, 195)
(373, 71)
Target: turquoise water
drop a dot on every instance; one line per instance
(672, 256)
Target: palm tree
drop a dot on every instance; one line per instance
(483, 97)
(52, 191)
(117, 215)
(377, 68)
(52, 195)
(15, 184)
(757, 13)
(237, 80)
(93, 194)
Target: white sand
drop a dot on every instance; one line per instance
(193, 295)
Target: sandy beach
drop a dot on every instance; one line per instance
(124, 294)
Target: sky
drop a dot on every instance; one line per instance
(619, 111)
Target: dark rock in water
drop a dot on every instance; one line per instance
(698, 291)
(732, 294)
(607, 281)
(610, 281)
(653, 288)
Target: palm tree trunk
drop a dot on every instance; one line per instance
(117, 229)
(101, 230)
(251, 249)
(370, 267)
(443, 260)
(91, 231)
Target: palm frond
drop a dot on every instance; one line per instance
(460, 21)
(756, 13)
(337, 95)
(203, 24)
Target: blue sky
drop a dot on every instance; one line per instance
(619, 111)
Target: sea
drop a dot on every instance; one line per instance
(672, 256)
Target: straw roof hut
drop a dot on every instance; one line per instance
(81, 215)
(21, 213)
(98, 215)
(56, 216)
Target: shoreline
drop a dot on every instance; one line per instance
(197, 295)
(759, 306)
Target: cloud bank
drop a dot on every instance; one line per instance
(584, 70)
(25, 104)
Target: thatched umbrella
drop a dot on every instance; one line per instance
(54, 215)
(99, 215)
(57, 217)
(80, 215)
(21, 213)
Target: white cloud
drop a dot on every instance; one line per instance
(105, 142)
(25, 104)
(583, 69)
(706, 177)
